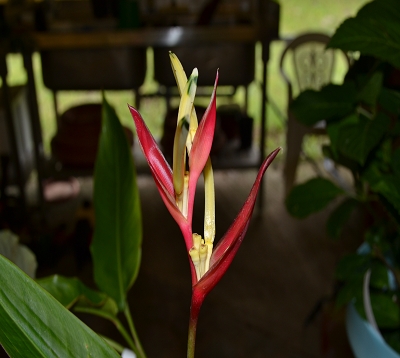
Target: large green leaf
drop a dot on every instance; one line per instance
(310, 197)
(70, 291)
(116, 245)
(357, 140)
(374, 31)
(35, 324)
(331, 101)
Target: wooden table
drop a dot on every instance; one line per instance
(163, 37)
(146, 37)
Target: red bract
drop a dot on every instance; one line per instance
(227, 247)
(160, 169)
(224, 253)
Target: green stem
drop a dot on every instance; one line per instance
(197, 300)
(118, 347)
(192, 337)
(135, 336)
(117, 323)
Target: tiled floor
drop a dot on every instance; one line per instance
(283, 268)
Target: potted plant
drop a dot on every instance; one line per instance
(363, 125)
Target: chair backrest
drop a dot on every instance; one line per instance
(312, 65)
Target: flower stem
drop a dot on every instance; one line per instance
(197, 300)
(112, 319)
(119, 348)
(135, 336)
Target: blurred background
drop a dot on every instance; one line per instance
(295, 262)
(296, 17)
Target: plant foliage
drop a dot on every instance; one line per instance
(34, 315)
(363, 125)
(116, 246)
(35, 324)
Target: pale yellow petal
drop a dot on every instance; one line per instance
(181, 80)
(209, 199)
(181, 134)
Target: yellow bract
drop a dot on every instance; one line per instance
(202, 249)
(181, 134)
(181, 80)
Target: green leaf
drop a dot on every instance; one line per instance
(389, 187)
(331, 101)
(358, 140)
(340, 159)
(372, 173)
(70, 291)
(116, 245)
(350, 291)
(390, 100)
(393, 339)
(377, 238)
(333, 130)
(35, 324)
(374, 31)
(386, 311)
(370, 90)
(379, 275)
(339, 217)
(310, 197)
(353, 267)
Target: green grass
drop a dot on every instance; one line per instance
(297, 16)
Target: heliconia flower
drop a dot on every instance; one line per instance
(177, 188)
